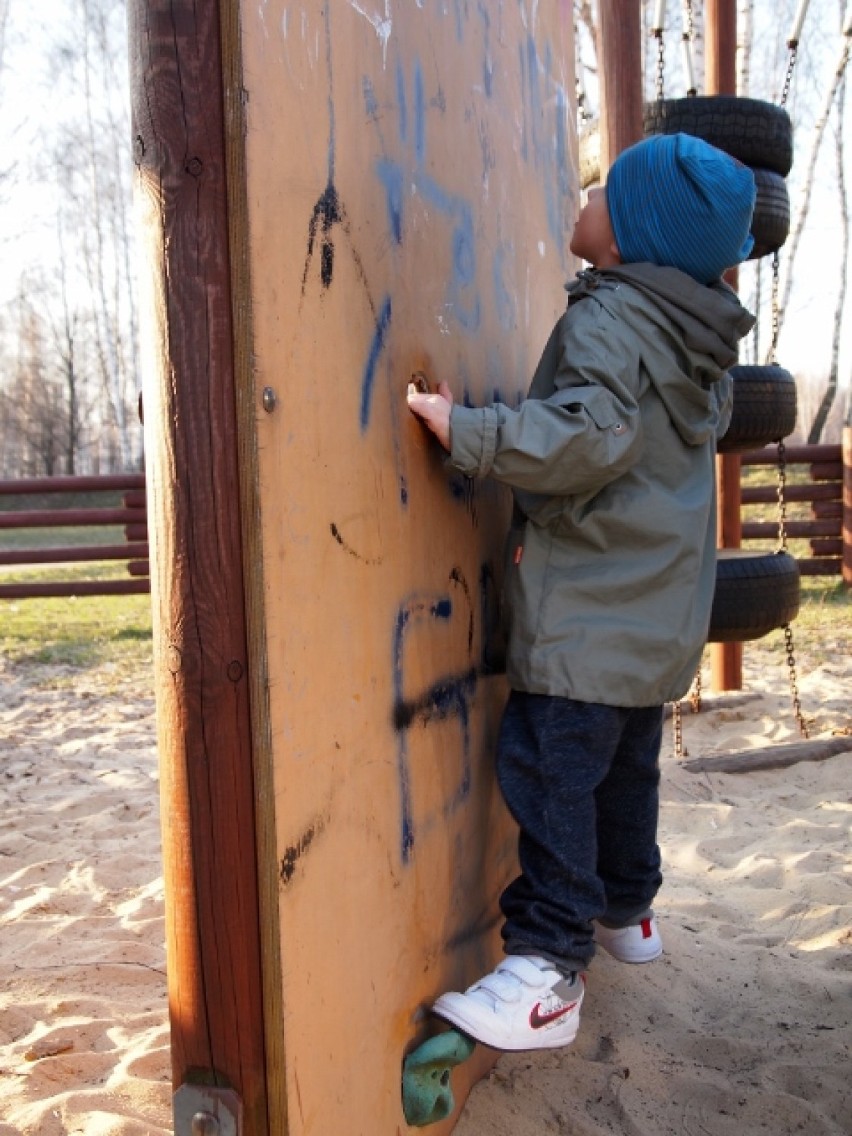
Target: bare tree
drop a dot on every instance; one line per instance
(817, 136)
(821, 417)
(745, 36)
(87, 281)
(106, 244)
(33, 409)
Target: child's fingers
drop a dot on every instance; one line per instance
(416, 401)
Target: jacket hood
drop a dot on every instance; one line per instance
(689, 335)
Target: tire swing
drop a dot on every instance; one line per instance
(755, 592)
(728, 129)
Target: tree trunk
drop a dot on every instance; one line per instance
(798, 228)
(827, 401)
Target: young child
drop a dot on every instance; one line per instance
(610, 568)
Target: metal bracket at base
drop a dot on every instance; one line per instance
(201, 1110)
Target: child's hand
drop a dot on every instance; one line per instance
(434, 410)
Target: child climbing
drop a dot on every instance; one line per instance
(610, 568)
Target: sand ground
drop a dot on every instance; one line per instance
(742, 1027)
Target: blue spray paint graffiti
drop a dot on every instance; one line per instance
(410, 169)
(544, 138)
(382, 323)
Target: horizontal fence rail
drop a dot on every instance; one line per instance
(828, 529)
(132, 515)
(826, 467)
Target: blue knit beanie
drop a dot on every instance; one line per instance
(676, 200)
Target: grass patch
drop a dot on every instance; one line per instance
(71, 536)
(825, 617)
(78, 632)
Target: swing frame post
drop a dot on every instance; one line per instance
(726, 659)
(621, 79)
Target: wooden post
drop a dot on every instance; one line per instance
(847, 506)
(620, 42)
(202, 662)
(720, 62)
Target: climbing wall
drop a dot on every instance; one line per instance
(410, 178)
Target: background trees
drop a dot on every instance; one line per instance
(69, 372)
(814, 332)
(69, 377)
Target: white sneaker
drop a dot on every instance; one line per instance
(524, 1004)
(639, 943)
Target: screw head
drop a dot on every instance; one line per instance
(204, 1124)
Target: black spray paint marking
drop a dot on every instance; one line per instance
(329, 211)
(294, 852)
(450, 696)
(338, 536)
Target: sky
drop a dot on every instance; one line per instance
(33, 101)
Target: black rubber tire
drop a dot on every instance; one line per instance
(764, 408)
(755, 593)
(770, 225)
(757, 133)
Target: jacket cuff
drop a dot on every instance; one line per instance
(473, 439)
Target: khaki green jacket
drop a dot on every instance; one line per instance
(610, 561)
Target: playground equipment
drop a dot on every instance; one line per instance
(334, 197)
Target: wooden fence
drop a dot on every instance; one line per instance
(828, 529)
(132, 515)
(827, 489)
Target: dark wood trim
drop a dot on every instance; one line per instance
(768, 494)
(202, 661)
(74, 554)
(759, 530)
(72, 588)
(61, 518)
(73, 484)
(794, 455)
(246, 411)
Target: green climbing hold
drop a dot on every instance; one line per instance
(427, 1095)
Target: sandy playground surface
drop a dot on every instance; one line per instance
(742, 1027)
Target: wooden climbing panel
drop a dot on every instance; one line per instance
(410, 181)
(401, 185)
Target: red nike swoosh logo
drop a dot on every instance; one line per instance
(537, 1019)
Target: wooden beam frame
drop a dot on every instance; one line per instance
(208, 663)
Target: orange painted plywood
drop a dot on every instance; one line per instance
(410, 180)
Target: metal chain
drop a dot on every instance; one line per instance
(677, 724)
(688, 39)
(776, 313)
(694, 696)
(661, 64)
(789, 646)
(794, 682)
(695, 693)
(788, 78)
